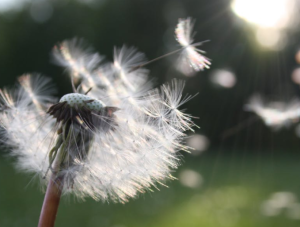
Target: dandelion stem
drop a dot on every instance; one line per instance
(51, 202)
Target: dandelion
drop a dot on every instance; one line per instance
(191, 58)
(276, 114)
(113, 137)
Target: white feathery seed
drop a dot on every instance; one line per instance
(126, 58)
(120, 138)
(275, 114)
(191, 58)
(78, 58)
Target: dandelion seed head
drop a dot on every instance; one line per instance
(120, 139)
(79, 100)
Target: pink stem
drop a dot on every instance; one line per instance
(51, 202)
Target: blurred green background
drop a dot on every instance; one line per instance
(242, 173)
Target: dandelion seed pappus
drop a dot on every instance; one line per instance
(191, 59)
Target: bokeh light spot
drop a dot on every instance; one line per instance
(281, 203)
(297, 56)
(223, 78)
(198, 143)
(296, 76)
(41, 11)
(190, 178)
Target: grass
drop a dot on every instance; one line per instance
(235, 187)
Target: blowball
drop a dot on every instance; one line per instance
(113, 137)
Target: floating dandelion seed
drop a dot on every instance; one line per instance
(191, 58)
(276, 114)
(109, 142)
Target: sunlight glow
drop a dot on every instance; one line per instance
(270, 19)
(271, 38)
(264, 13)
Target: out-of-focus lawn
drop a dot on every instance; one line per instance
(237, 190)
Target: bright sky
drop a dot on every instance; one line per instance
(7, 5)
(265, 13)
(270, 19)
